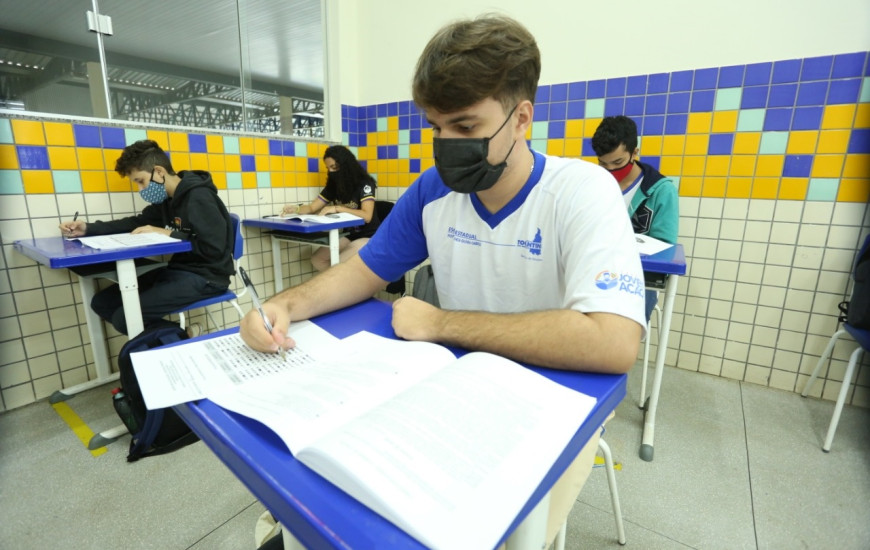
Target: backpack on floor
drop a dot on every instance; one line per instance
(856, 310)
(424, 286)
(156, 431)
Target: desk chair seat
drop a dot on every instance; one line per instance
(229, 295)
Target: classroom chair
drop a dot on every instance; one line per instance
(862, 337)
(383, 208)
(228, 296)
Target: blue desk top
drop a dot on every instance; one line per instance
(296, 226)
(57, 252)
(671, 261)
(321, 515)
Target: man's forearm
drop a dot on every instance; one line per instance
(562, 339)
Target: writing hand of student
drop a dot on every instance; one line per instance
(253, 329)
(290, 209)
(415, 319)
(151, 229)
(75, 228)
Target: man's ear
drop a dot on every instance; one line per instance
(525, 112)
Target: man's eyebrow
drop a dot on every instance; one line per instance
(464, 117)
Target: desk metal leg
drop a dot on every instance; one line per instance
(277, 266)
(649, 420)
(532, 532)
(334, 239)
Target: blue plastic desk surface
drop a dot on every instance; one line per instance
(57, 252)
(296, 226)
(319, 514)
(671, 261)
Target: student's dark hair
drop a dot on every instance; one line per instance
(613, 131)
(143, 155)
(350, 175)
(470, 60)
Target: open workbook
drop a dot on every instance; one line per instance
(314, 218)
(447, 449)
(123, 240)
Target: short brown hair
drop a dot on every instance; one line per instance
(144, 155)
(470, 60)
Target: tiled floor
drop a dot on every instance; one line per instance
(736, 466)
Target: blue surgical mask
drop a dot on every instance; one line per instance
(155, 193)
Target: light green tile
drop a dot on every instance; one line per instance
(540, 130)
(539, 145)
(595, 108)
(132, 135)
(750, 120)
(67, 181)
(728, 99)
(301, 149)
(404, 151)
(231, 145)
(345, 138)
(823, 189)
(264, 179)
(6, 131)
(234, 180)
(865, 91)
(10, 182)
(773, 143)
(404, 137)
(382, 124)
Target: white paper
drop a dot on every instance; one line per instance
(648, 246)
(313, 218)
(169, 376)
(124, 240)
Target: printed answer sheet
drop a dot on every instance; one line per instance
(124, 240)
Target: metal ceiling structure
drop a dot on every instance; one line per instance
(195, 83)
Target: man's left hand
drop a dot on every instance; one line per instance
(415, 319)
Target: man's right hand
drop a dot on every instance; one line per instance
(75, 228)
(253, 329)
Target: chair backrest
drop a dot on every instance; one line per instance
(238, 241)
(383, 209)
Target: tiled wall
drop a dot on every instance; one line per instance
(771, 160)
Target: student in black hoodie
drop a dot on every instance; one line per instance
(184, 206)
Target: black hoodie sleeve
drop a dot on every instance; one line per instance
(151, 215)
(205, 226)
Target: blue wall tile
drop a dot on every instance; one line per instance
(731, 77)
(654, 161)
(414, 136)
(777, 119)
(33, 157)
(596, 89)
(786, 71)
(797, 166)
(113, 138)
(614, 106)
(653, 125)
(313, 165)
(558, 92)
(616, 87)
(393, 109)
(844, 91)
(196, 143)
(681, 81)
(542, 112)
(87, 136)
(577, 90)
(556, 129)
(248, 163)
(859, 141)
(288, 148)
(414, 165)
(702, 101)
(676, 124)
(705, 79)
(678, 102)
(782, 95)
(558, 110)
(848, 65)
(381, 110)
(542, 95)
(812, 93)
(757, 73)
(656, 104)
(636, 85)
(817, 68)
(754, 97)
(720, 144)
(586, 148)
(634, 105)
(576, 110)
(275, 148)
(658, 83)
(807, 118)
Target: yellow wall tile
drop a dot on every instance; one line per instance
(90, 158)
(802, 142)
(690, 187)
(404, 166)
(556, 147)
(37, 181)
(426, 135)
(28, 132)
(697, 145)
(671, 165)
(94, 181)
(651, 145)
(110, 158)
(593, 160)
(246, 146)
(699, 123)
(219, 179)
(312, 180)
(216, 163)
(426, 163)
(838, 116)
(276, 164)
(117, 184)
(765, 188)
(62, 158)
(59, 133)
(529, 132)
(404, 180)
(674, 145)
(198, 161)
(742, 165)
(181, 161)
(746, 143)
(738, 188)
(862, 116)
(249, 180)
(717, 165)
(769, 165)
(290, 179)
(693, 166)
(392, 123)
(392, 165)
(301, 165)
(426, 152)
(160, 136)
(857, 166)
(261, 163)
(828, 166)
(289, 164)
(793, 188)
(261, 146)
(833, 141)
(714, 187)
(214, 144)
(178, 142)
(234, 163)
(854, 190)
(573, 148)
(589, 126)
(8, 157)
(725, 121)
(573, 129)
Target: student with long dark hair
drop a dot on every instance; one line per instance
(350, 189)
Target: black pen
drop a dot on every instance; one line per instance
(75, 217)
(256, 300)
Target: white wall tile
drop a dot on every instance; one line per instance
(708, 228)
(705, 248)
(818, 212)
(794, 320)
(739, 331)
(750, 273)
(810, 258)
(34, 323)
(41, 206)
(729, 250)
(773, 296)
(788, 211)
(825, 303)
(13, 230)
(746, 293)
(711, 208)
(691, 343)
(14, 374)
(122, 204)
(736, 351)
(803, 279)
(67, 338)
(18, 396)
(822, 324)
(768, 317)
(13, 207)
(743, 313)
(760, 355)
(813, 235)
(54, 277)
(764, 336)
(716, 328)
(834, 282)
(844, 236)
(70, 203)
(71, 358)
(838, 259)
(780, 254)
(709, 364)
(849, 213)
(732, 229)
(799, 300)
(734, 370)
(45, 227)
(737, 209)
(782, 380)
(701, 268)
(45, 365)
(689, 206)
(687, 228)
(98, 207)
(785, 233)
(791, 341)
(775, 275)
(722, 290)
(24, 278)
(719, 309)
(696, 306)
(64, 317)
(29, 301)
(58, 296)
(757, 231)
(38, 344)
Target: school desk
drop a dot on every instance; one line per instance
(320, 515)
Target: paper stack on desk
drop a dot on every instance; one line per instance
(447, 449)
(648, 246)
(314, 218)
(124, 240)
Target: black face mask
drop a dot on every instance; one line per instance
(462, 164)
